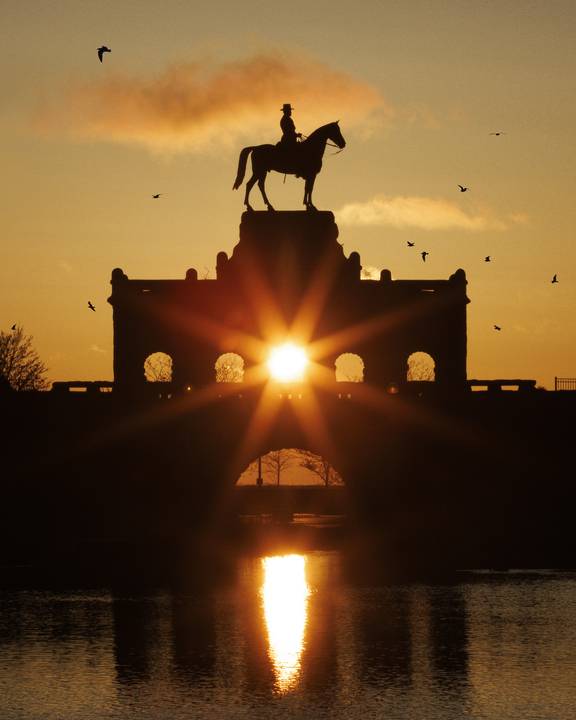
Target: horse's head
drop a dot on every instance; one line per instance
(335, 135)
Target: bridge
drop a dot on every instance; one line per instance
(435, 471)
(467, 475)
(284, 501)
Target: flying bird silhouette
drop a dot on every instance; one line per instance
(497, 327)
(91, 306)
(156, 196)
(102, 50)
(488, 258)
(498, 133)
(424, 253)
(14, 326)
(410, 244)
(463, 189)
(554, 279)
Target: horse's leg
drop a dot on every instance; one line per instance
(308, 187)
(261, 182)
(310, 203)
(249, 186)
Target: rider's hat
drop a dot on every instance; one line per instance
(287, 106)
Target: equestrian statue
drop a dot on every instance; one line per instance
(289, 157)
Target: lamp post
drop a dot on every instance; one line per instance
(259, 480)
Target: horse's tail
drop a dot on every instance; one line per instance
(242, 166)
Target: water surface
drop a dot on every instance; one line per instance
(290, 637)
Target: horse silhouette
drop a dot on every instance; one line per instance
(303, 160)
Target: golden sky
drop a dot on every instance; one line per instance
(417, 86)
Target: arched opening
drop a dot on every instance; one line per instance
(421, 368)
(158, 368)
(229, 368)
(291, 466)
(291, 485)
(349, 368)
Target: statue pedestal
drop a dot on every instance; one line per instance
(288, 252)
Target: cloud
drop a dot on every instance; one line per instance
(97, 349)
(422, 213)
(192, 105)
(370, 273)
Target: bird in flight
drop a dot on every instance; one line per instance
(91, 306)
(410, 244)
(498, 133)
(488, 258)
(156, 196)
(462, 188)
(424, 253)
(497, 327)
(14, 326)
(102, 50)
(555, 279)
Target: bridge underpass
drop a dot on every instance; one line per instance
(286, 501)
(290, 485)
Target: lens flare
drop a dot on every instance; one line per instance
(285, 594)
(287, 362)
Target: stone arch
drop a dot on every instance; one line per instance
(158, 367)
(293, 466)
(420, 367)
(282, 487)
(229, 368)
(349, 367)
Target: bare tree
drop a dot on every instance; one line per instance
(320, 467)
(229, 368)
(349, 368)
(277, 461)
(420, 367)
(20, 365)
(158, 367)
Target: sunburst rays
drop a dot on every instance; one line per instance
(264, 313)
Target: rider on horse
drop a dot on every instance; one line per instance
(288, 157)
(289, 135)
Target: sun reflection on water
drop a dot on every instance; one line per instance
(285, 594)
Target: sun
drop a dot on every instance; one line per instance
(287, 363)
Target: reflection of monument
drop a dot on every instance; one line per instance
(286, 260)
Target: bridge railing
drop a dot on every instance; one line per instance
(341, 390)
(564, 383)
(79, 386)
(502, 385)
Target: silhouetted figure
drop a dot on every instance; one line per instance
(304, 162)
(410, 244)
(497, 327)
(463, 189)
(488, 258)
(102, 50)
(554, 279)
(91, 306)
(289, 135)
(424, 254)
(156, 196)
(498, 133)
